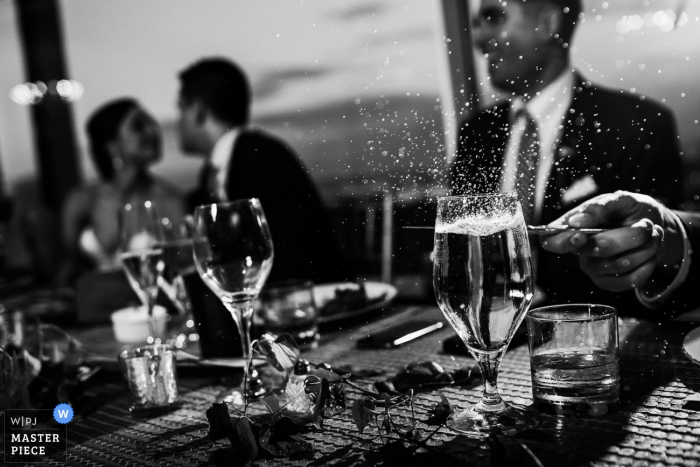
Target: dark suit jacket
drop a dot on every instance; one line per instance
(264, 167)
(623, 141)
(687, 298)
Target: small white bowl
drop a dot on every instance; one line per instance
(131, 324)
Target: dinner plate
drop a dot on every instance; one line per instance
(691, 345)
(323, 293)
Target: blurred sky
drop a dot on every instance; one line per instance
(353, 85)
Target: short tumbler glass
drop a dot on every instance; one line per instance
(150, 373)
(289, 307)
(574, 359)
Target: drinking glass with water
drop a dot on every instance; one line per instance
(574, 359)
(482, 276)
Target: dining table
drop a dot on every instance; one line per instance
(657, 423)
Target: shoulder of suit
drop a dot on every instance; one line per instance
(603, 98)
(259, 137)
(263, 148)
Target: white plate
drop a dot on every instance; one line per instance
(325, 292)
(691, 345)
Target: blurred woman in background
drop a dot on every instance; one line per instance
(124, 141)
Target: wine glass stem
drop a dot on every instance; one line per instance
(491, 400)
(242, 313)
(150, 305)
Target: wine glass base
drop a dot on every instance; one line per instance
(476, 423)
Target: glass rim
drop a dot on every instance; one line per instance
(479, 195)
(607, 312)
(250, 201)
(124, 354)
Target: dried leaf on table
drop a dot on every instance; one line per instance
(298, 419)
(386, 387)
(282, 352)
(244, 440)
(361, 412)
(386, 424)
(272, 402)
(219, 421)
(412, 434)
(441, 412)
(276, 444)
(320, 407)
(428, 376)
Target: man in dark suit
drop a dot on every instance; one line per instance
(246, 163)
(560, 139)
(648, 250)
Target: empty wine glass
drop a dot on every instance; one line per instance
(141, 235)
(483, 285)
(233, 253)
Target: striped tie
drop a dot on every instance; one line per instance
(528, 156)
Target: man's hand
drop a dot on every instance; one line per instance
(643, 238)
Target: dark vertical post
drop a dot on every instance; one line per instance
(460, 55)
(44, 58)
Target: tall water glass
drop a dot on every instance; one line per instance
(233, 253)
(483, 284)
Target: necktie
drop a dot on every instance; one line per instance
(528, 156)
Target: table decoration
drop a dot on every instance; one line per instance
(48, 369)
(391, 418)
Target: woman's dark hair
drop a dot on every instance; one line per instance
(102, 127)
(221, 85)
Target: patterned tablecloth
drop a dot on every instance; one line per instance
(655, 425)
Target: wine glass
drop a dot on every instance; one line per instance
(178, 260)
(233, 253)
(483, 285)
(141, 256)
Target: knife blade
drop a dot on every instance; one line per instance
(531, 229)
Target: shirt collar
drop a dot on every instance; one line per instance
(551, 101)
(223, 149)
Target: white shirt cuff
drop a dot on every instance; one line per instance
(653, 300)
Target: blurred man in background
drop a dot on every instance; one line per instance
(245, 163)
